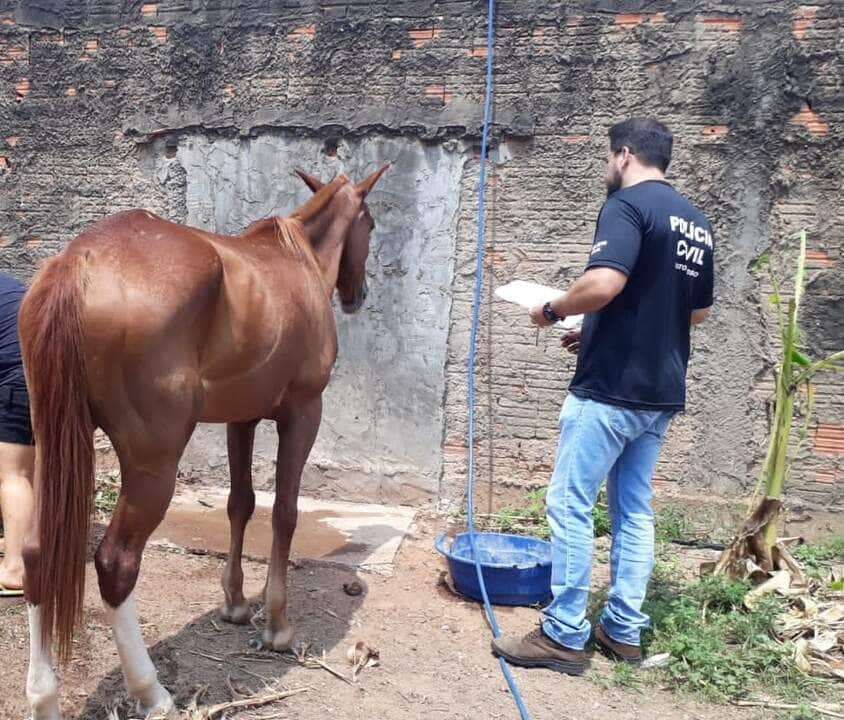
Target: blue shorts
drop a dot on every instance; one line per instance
(15, 425)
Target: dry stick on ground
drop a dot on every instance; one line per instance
(786, 706)
(209, 711)
(302, 657)
(262, 678)
(253, 657)
(235, 693)
(206, 655)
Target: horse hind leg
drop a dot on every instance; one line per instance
(148, 463)
(241, 505)
(41, 684)
(118, 560)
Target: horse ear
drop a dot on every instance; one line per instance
(365, 186)
(315, 184)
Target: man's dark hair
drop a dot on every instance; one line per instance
(648, 139)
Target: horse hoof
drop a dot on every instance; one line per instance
(237, 614)
(47, 714)
(159, 705)
(46, 709)
(279, 641)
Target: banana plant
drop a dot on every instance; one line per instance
(757, 538)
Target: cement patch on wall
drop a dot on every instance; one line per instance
(383, 418)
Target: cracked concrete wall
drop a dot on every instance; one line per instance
(106, 104)
(383, 410)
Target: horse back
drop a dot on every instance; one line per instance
(235, 322)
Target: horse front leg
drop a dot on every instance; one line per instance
(297, 429)
(241, 505)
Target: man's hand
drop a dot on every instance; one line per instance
(571, 340)
(537, 317)
(699, 315)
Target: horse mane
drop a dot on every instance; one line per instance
(290, 231)
(290, 234)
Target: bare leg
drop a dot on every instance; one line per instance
(16, 505)
(240, 508)
(297, 430)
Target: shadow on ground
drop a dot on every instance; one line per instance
(228, 659)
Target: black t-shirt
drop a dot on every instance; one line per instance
(11, 292)
(634, 351)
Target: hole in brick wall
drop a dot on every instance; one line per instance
(330, 147)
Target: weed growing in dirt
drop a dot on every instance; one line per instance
(601, 516)
(816, 558)
(530, 519)
(527, 519)
(671, 524)
(105, 499)
(804, 712)
(620, 675)
(718, 648)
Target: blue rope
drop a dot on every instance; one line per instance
(476, 307)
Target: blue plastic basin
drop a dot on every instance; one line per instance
(516, 569)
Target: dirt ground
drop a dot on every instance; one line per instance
(434, 649)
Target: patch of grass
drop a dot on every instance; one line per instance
(527, 519)
(671, 523)
(531, 519)
(626, 676)
(718, 649)
(817, 557)
(621, 675)
(105, 498)
(601, 516)
(804, 712)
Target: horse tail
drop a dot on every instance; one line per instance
(50, 326)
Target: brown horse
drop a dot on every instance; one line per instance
(143, 328)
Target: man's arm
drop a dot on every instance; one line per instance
(699, 315)
(591, 291)
(613, 257)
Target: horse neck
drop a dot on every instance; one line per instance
(327, 230)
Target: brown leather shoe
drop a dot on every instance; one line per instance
(536, 649)
(619, 652)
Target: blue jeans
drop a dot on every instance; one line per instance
(600, 441)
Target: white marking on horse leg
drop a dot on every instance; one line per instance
(41, 685)
(138, 671)
(279, 641)
(237, 614)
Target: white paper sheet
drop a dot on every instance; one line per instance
(528, 294)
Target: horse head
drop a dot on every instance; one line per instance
(351, 277)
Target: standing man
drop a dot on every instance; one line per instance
(649, 277)
(17, 452)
